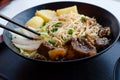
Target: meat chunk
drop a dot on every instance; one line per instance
(44, 48)
(104, 32)
(80, 48)
(83, 47)
(100, 43)
(57, 53)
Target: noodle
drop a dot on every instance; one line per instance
(72, 21)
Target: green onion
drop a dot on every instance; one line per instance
(54, 29)
(51, 42)
(66, 38)
(44, 23)
(83, 36)
(58, 24)
(42, 29)
(83, 19)
(70, 31)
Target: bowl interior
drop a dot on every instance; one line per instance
(102, 16)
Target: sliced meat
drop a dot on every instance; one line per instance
(44, 48)
(104, 32)
(80, 48)
(101, 43)
(83, 47)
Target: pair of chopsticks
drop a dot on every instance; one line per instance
(18, 24)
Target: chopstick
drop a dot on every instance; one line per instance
(16, 23)
(14, 31)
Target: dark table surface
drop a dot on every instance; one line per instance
(18, 68)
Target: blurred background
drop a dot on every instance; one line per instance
(4, 2)
(12, 7)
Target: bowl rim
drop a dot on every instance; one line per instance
(74, 60)
(116, 68)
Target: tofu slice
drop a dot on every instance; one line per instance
(35, 22)
(47, 15)
(67, 10)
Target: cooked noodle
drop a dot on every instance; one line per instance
(72, 21)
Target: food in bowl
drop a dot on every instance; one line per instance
(65, 35)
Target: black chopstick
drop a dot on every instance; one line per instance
(14, 31)
(16, 23)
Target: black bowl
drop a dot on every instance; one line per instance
(104, 17)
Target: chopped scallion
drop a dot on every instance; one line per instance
(51, 42)
(83, 19)
(66, 38)
(44, 23)
(83, 36)
(58, 24)
(70, 31)
(54, 29)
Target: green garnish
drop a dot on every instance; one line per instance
(83, 19)
(44, 23)
(58, 24)
(51, 42)
(42, 29)
(83, 36)
(70, 31)
(54, 29)
(66, 38)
